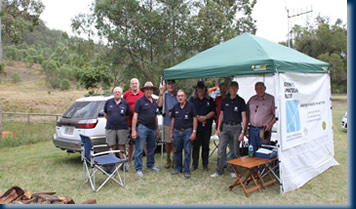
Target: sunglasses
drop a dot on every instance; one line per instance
(256, 108)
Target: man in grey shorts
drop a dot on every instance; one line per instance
(116, 111)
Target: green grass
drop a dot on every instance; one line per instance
(41, 167)
(26, 133)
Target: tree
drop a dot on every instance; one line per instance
(328, 43)
(145, 37)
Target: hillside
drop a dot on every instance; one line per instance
(31, 94)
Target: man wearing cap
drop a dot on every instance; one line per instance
(183, 132)
(145, 128)
(131, 96)
(168, 99)
(233, 113)
(261, 115)
(205, 107)
(116, 111)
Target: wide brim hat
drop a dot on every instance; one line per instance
(200, 84)
(265, 136)
(149, 85)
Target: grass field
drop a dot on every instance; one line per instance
(41, 167)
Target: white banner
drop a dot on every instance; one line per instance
(305, 104)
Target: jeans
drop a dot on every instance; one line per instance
(255, 139)
(229, 134)
(181, 141)
(203, 140)
(145, 135)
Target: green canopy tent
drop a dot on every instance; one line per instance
(243, 55)
(301, 87)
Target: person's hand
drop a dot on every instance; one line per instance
(218, 132)
(133, 134)
(241, 137)
(247, 133)
(162, 89)
(170, 135)
(193, 136)
(268, 127)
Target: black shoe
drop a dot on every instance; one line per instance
(194, 168)
(187, 175)
(205, 168)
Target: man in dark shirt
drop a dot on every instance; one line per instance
(146, 123)
(205, 107)
(116, 111)
(233, 112)
(183, 132)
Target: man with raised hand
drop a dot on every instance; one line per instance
(167, 99)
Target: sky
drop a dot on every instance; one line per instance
(270, 15)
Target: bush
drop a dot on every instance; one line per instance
(15, 78)
(65, 84)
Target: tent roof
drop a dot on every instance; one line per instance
(243, 55)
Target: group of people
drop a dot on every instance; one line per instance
(187, 124)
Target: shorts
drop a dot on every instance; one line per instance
(166, 130)
(114, 137)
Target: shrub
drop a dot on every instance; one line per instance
(65, 84)
(15, 78)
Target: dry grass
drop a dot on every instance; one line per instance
(31, 94)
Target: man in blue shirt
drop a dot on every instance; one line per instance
(167, 99)
(183, 132)
(233, 113)
(205, 107)
(146, 123)
(116, 112)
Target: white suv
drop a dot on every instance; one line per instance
(85, 116)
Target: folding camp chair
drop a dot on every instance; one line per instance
(105, 161)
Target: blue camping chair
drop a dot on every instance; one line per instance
(105, 161)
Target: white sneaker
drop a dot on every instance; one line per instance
(139, 173)
(215, 175)
(233, 175)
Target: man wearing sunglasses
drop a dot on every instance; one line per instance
(261, 115)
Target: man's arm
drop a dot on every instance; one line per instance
(171, 129)
(221, 119)
(158, 133)
(133, 128)
(195, 126)
(244, 126)
(160, 97)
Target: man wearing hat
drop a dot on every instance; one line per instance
(145, 128)
(205, 107)
(261, 116)
(233, 113)
(167, 99)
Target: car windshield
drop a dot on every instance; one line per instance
(84, 109)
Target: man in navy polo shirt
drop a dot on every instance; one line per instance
(233, 112)
(116, 111)
(183, 131)
(146, 123)
(205, 107)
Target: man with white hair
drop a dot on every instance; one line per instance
(131, 96)
(116, 111)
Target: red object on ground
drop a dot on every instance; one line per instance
(7, 133)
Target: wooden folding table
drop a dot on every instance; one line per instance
(251, 166)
